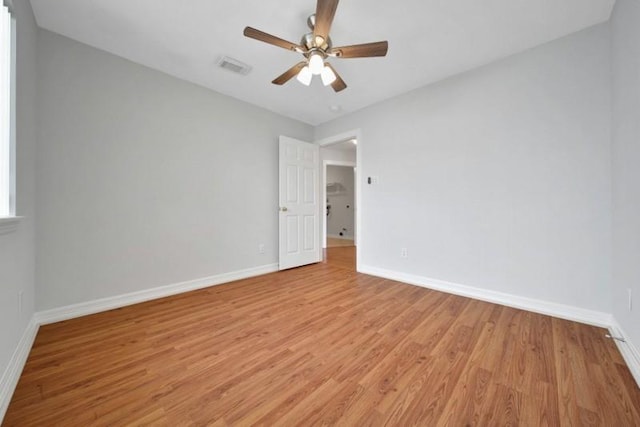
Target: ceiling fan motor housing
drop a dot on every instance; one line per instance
(309, 41)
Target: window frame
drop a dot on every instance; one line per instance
(9, 223)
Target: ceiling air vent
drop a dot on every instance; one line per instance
(234, 65)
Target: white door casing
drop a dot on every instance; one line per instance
(299, 203)
(358, 230)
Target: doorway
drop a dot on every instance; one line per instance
(340, 192)
(340, 219)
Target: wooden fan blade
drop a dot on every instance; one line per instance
(289, 74)
(268, 38)
(325, 11)
(338, 84)
(361, 50)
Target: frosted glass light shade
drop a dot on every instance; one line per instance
(316, 63)
(305, 76)
(327, 75)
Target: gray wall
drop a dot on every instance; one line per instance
(625, 26)
(145, 180)
(17, 251)
(498, 178)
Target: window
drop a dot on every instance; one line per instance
(7, 205)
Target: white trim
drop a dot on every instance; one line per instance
(9, 224)
(110, 303)
(12, 373)
(14, 369)
(8, 114)
(629, 352)
(13, 168)
(9, 5)
(590, 317)
(341, 137)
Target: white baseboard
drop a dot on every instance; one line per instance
(629, 351)
(12, 373)
(110, 303)
(591, 317)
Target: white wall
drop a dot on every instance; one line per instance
(625, 26)
(342, 205)
(145, 180)
(17, 250)
(326, 153)
(498, 178)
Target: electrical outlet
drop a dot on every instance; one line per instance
(630, 299)
(261, 248)
(404, 253)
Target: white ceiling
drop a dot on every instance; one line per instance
(428, 40)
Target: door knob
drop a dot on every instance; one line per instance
(284, 209)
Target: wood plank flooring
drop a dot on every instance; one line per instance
(341, 257)
(322, 345)
(333, 242)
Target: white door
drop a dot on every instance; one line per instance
(299, 209)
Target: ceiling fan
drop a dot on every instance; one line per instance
(316, 46)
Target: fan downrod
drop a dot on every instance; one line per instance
(315, 43)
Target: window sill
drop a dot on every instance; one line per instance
(9, 224)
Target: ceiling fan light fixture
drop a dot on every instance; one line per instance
(327, 75)
(316, 63)
(316, 46)
(305, 76)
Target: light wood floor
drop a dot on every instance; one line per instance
(322, 345)
(341, 257)
(333, 242)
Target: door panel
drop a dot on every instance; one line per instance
(309, 232)
(299, 199)
(309, 184)
(292, 233)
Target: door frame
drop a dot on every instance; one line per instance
(325, 142)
